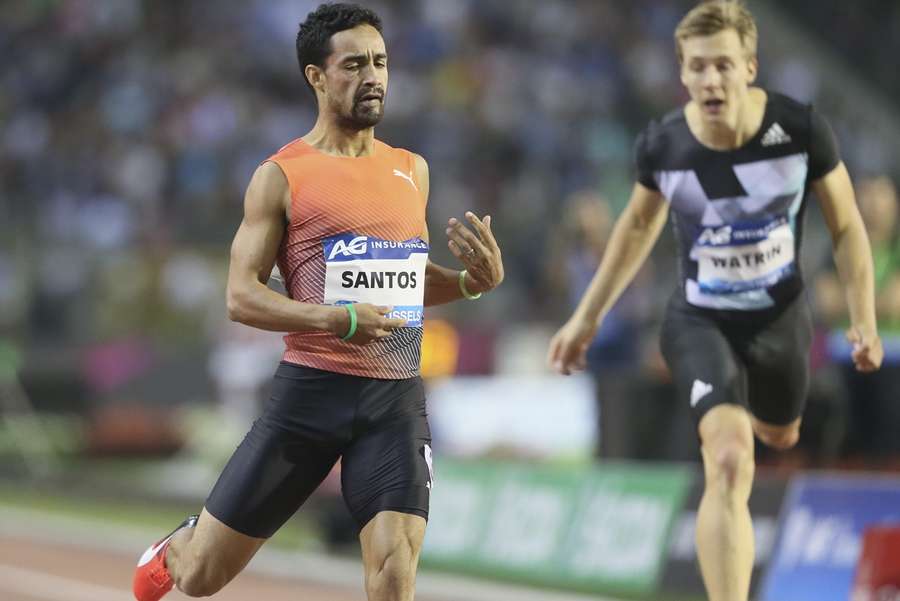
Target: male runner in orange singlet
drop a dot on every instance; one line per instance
(735, 166)
(343, 214)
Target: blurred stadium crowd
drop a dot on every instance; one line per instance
(126, 143)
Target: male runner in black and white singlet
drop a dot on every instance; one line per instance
(734, 166)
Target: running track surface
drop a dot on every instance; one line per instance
(40, 571)
(46, 557)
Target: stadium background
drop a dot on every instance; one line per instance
(128, 132)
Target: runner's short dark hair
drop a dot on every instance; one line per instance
(314, 36)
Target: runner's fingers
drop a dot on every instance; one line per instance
(568, 358)
(458, 240)
(465, 238)
(456, 250)
(553, 352)
(393, 323)
(469, 246)
(478, 225)
(483, 228)
(863, 360)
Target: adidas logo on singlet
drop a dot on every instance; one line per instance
(776, 135)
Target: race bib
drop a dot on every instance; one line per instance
(743, 257)
(365, 269)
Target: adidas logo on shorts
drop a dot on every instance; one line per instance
(699, 390)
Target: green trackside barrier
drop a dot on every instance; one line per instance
(601, 528)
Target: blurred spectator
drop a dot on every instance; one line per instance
(874, 414)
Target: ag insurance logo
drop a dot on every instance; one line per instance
(355, 246)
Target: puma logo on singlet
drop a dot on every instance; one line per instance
(408, 178)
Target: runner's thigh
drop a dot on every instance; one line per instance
(705, 370)
(777, 359)
(287, 453)
(388, 466)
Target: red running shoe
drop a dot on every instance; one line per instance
(151, 578)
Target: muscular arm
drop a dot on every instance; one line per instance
(442, 283)
(253, 253)
(853, 258)
(633, 236)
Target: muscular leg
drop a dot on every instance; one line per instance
(390, 549)
(724, 529)
(203, 559)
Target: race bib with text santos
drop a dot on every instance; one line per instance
(365, 269)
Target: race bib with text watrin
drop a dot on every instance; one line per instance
(743, 257)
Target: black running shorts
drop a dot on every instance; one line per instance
(756, 359)
(378, 428)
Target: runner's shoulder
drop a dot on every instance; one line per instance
(294, 149)
(793, 115)
(662, 138)
(401, 154)
(268, 186)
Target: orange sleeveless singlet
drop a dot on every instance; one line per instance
(355, 235)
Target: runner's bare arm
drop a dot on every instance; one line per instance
(253, 253)
(633, 236)
(853, 258)
(484, 267)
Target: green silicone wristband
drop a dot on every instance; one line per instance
(462, 287)
(351, 311)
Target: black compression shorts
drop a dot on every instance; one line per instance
(378, 428)
(756, 359)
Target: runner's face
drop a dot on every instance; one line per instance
(356, 77)
(716, 72)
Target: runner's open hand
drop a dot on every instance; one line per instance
(478, 251)
(568, 348)
(371, 323)
(867, 350)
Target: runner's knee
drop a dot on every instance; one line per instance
(781, 439)
(729, 464)
(392, 571)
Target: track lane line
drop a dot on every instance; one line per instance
(34, 583)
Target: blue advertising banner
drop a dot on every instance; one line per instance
(821, 535)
